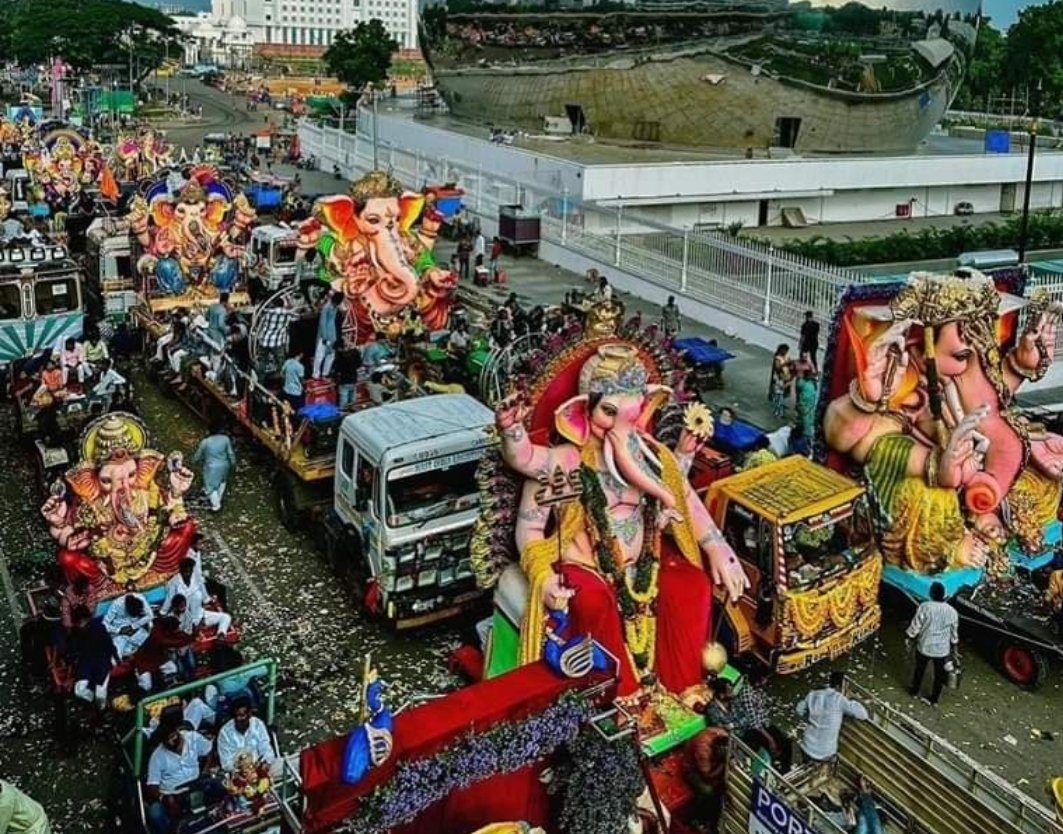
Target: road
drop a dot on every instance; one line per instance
(290, 606)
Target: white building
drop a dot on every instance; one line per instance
(316, 22)
(224, 39)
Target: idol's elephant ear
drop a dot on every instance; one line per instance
(337, 213)
(573, 419)
(656, 396)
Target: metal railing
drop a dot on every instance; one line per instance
(748, 280)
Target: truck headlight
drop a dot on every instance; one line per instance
(427, 577)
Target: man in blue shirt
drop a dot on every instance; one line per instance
(292, 372)
(217, 313)
(825, 709)
(327, 334)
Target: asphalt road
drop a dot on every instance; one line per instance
(291, 607)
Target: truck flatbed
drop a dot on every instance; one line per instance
(291, 452)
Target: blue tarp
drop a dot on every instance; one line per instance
(320, 412)
(739, 436)
(700, 352)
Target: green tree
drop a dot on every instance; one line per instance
(985, 73)
(361, 56)
(85, 32)
(1034, 55)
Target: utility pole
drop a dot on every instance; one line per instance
(376, 136)
(1031, 153)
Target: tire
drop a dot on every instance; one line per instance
(1025, 667)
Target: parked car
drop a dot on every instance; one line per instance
(963, 209)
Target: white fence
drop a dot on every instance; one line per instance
(750, 281)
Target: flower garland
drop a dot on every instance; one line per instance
(505, 748)
(636, 595)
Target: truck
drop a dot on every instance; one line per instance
(921, 784)
(389, 492)
(805, 538)
(40, 299)
(271, 258)
(404, 503)
(109, 268)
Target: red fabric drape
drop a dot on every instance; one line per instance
(424, 731)
(684, 611)
(174, 548)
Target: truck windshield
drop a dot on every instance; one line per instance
(423, 496)
(284, 253)
(815, 550)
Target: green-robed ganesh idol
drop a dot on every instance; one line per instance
(601, 517)
(923, 377)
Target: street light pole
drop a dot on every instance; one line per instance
(1025, 223)
(1032, 151)
(376, 166)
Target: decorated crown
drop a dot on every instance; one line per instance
(376, 184)
(192, 192)
(112, 437)
(615, 369)
(937, 299)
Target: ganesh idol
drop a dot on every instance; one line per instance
(192, 235)
(361, 239)
(923, 382)
(119, 514)
(629, 553)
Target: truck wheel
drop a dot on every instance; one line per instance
(286, 503)
(1023, 666)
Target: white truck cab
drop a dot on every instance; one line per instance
(405, 500)
(271, 257)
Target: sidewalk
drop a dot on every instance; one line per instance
(745, 377)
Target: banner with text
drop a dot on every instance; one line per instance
(770, 815)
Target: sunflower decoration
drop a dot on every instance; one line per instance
(697, 419)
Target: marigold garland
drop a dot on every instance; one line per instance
(636, 595)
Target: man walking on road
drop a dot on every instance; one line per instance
(808, 345)
(935, 628)
(670, 319)
(825, 710)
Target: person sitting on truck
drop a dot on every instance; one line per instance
(825, 710)
(935, 628)
(217, 316)
(72, 362)
(109, 380)
(175, 767)
(458, 340)
(190, 584)
(379, 391)
(244, 733)
(92, 653)
(96, 350)
(293, 372)
(128, 621)
(165, 643)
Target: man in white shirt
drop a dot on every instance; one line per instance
(109, 380)
(244, 733)
(190, 584)
(175, 766)
(825, 710)
(128, 621)
(480, 247)
(935, 628)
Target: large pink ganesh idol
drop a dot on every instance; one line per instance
(360, 237)
(924, 390)
(630, 552)
(119, 516)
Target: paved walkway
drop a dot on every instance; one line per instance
(745, 376)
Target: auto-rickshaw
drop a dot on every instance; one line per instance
(805, 539)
